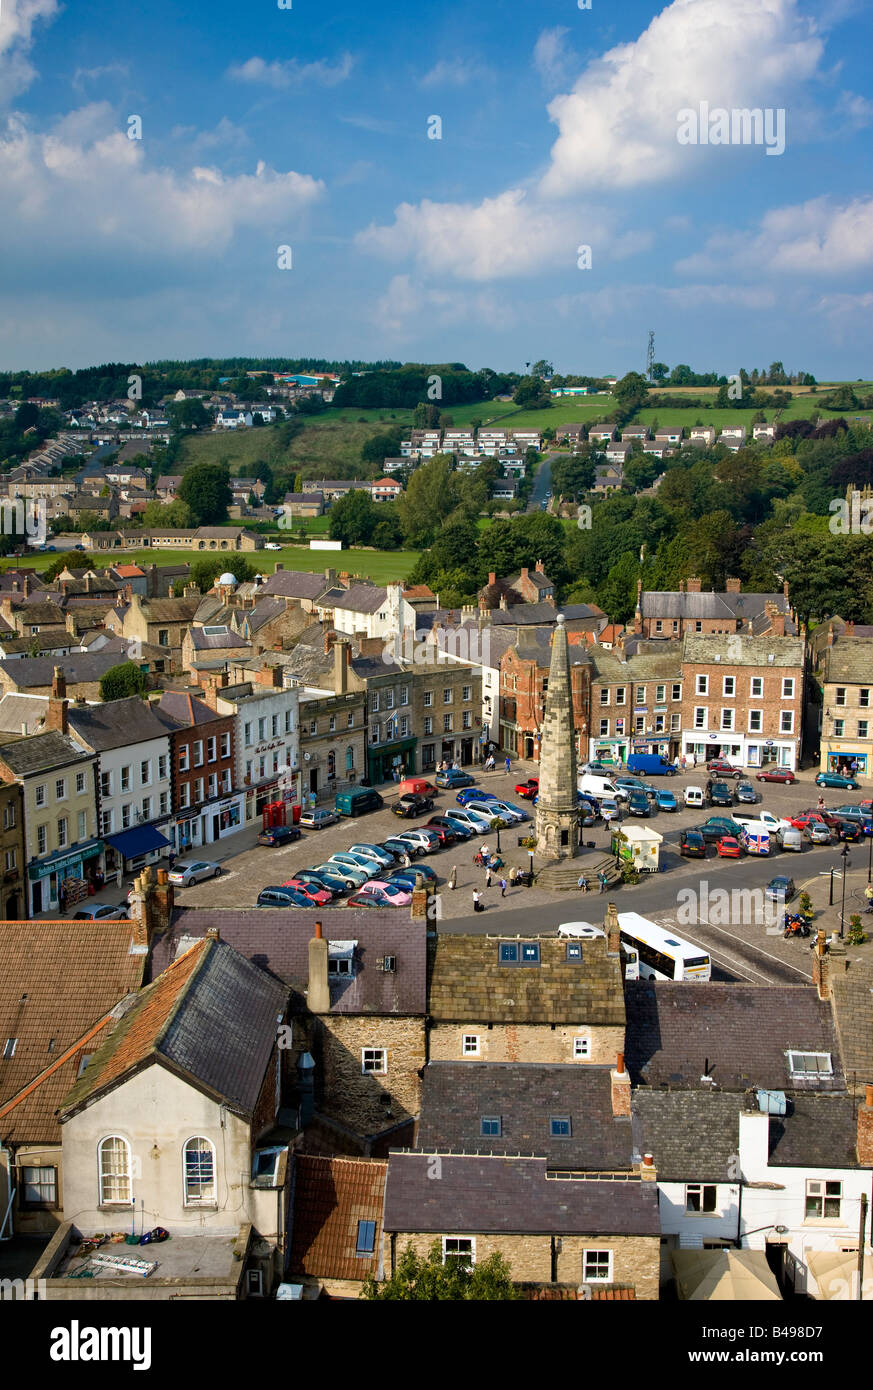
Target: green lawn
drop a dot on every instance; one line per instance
(565, 412)
(380, 565)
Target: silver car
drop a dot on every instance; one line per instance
(186, 875)
(317, 820)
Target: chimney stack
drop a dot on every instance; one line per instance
(865, 1129)
(610, 923)
(732, 586)
(648, 1171)
(56, 715)
(620, 1088)
(341, 653)
(318, 993)
(693, 586)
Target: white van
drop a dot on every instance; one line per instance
(590, 784)
(694, 796)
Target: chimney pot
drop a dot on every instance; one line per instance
(318, 933)
(619, 1064)
(869, 1097)
(212, 933)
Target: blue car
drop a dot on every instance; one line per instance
(666, 801)
(473, 794)
(835, 779)
(454, 778)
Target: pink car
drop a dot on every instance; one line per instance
(391, 894)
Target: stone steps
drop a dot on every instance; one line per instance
(564, 874)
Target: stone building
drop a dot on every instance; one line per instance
(673, 613)
(636, 700)
(743, 699)
(12, 860)
(844, 675)
(557, 812)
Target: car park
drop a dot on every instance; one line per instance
(279, 835)
(610, 809)
(417, 875)
(394, 845)
(425, 841)
(319, 897)
(855, 813)
(382, 856)
(848, 830)
(728, 847)
(692, 844)
(473, 794)
(836, 779)
(453, 778)
(351, 875)
(477, 822)
(693, 796)
(780, 889)
(186, 875)
(410, 805)
(528, 789)
(746, 792)
(441, 826)
(449, 823)
(818, 833)
(334, 885)
(282, 897)
(720, 794)
(317, 819)
(104, 912)
(720, 767)
(666, 801)
(638, 804)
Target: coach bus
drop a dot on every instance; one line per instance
(662, 954)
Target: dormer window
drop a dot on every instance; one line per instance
(810, 1064)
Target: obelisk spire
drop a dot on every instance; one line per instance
(557, 822)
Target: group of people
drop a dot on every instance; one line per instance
(491, 765)
(582, 882)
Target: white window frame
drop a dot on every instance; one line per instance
(588, 1278)
(727, 719)
(468, 1255)
(787, 687)
(816, 1190)
(756, 721)
(756, 688)
(700, 716)
(198, 1201)
(373, 1055)
(471, 1045)
(700, 1188)
(581, 1048)
(102, 1175)
(702, 685)
(786, 721)
(729, 687)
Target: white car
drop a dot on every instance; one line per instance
(271, 545)
(185, 875)
(419, 841)
(365, 864)
(490, 810)
(507, 812)
(474, 820)
(103, 912)
(380, 855)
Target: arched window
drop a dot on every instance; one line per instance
(199, 1171)
(115, 1172)
(350, 759)
(331, 764)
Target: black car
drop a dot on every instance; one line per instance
(442, 827)
(848, 830)
(721, 795)
(692, 844)
(279, 835)
(638, 804)
(412, 805)
(716, 826)
(746, 792)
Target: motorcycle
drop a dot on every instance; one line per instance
(795, 925)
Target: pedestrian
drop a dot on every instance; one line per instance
(485, 853)
(503, 888)
(453, 878)
(478, 905)
(682, 762)
(603, 882)
(488, 876)
(171, 858)
(508, 765)
(582, 883)
(821, 804)
(406, 861)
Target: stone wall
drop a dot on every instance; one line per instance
(512, 1042)
(353, 1097)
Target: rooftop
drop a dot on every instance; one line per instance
(331, 1195)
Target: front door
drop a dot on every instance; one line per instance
(216, 827)
(466, 752)
(37, 895)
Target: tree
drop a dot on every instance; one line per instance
(206, 490)
(119, 682)
(81, 561)
(428, 1280)
(573, 475)
(381, 446)
(631, 392)
(170, 514)
(206, 569)
(532, 393)
(431, 496)
(352, 518)
(298, 483)
(189, 415)
(543, 369)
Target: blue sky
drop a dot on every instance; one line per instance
(264, 127)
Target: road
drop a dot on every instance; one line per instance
(542, 483)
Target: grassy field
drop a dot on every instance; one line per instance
(380, 565)
(566, 412)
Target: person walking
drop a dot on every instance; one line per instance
(453, 878)
(503, 888)
(508, 765)
(406, 861)
(478, 905)
(603, 882)
(820, 804)
(682, 762)
(488, 876)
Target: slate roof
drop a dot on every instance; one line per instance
(744, 1031)
(849, 660)
(185, 710)
(40, 752)
(210, 641)
(58, 980)
(278, 941)
(264, 611)
(817, 1132)
(295, 584)
(79, 668)
(170, 610)
(468, 984)
(506, 1196)
(751, 651)
(358, 598)
(526, 614)
(18, 711)
(852, 998)
(211, 1016)
(455, 1096)
(117, 723)
(649, 660)
(692, 1135)
(331, 1195)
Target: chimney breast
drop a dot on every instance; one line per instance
(318, 994)
(865, 1129)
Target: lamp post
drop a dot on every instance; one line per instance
(845, 858)
(780, 1231)
(870, 859)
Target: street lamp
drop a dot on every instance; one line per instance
(844, 854)
(780, 1231)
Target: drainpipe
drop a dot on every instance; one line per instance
(7, 1215)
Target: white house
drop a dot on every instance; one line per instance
(267, 739)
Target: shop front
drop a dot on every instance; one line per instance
(845, 759)
(612, 751)
(760, 753)
(131, 850)
(208, 823)
(64, 878)
(386, 759)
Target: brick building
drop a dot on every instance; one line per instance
(636, 700)
(671, 614)
(743, 699)
(12, 862)
(524, 681)
(207, 806)
(844, 674)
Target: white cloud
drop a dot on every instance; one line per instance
(83, 189)
(627, 302)
(552, 57)
(819, 237)
(856, 110)
(617, 127)
(82, 76)
(17, 23)
(224, 136)
(399, 311)
(292, 73)
(500, 237)
(454, 72)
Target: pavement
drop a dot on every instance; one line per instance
(702, 900)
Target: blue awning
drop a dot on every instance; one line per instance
(141, 839)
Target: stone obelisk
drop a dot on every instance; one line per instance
(557, 822)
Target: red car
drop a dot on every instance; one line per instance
(728, 847)
(319, 896)
(723, 768)
(777, 774)
(802, 821)
(529, 789)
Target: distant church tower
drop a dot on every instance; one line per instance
(557, 822)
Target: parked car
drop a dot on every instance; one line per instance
(855, 813)
(335, 886)
(282, 897)
(638, 804)
(474, 794)
(388, 893)
(453, 778)
(666, 801)
(412, 805)
(629, 784)
(528, 789)
(610, 809)
(417, 875)
(836, 779)
(746, 792)
(479, 824)
(720, 794)
(425, 841)
(599, 768)
(455, 827)
(318, 819)
(790, 838)
(693, 796)
(319, 897)
(443, 827)
(728, 847)
(394, 845)
(692, 844)
(722, 768)
(382, 856)
(716, 826)
(805, 818)
(348, 860)
(490, 809)
(818, 833)
(279, 835)
(780, 888)
(776, 774)
(364, 899)
(105, 912)
(272, 545)
(512, 813)
(848, 830)
(352, 877)
(186, 875)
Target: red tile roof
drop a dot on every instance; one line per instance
(331, 1195)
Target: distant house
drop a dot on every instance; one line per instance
(304, 504)
(619, 451)
(702, 434)
(569, 391)
(763, 431)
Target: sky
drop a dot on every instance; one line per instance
(311, 128)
